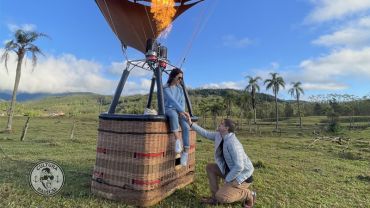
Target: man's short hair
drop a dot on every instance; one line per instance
(230, 124)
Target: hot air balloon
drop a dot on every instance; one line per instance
(132, 21)
(136, 162)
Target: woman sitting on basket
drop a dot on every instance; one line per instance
(174, 101)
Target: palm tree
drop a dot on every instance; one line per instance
(21, 45)
(274, 83)
(253, 88)
(296, 92)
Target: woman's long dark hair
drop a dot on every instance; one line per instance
(173, 74)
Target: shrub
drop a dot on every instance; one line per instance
(350, 155)
(259, 164)
(334, 127)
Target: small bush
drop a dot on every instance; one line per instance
(350, 156)
(334, 127)
(259, 164)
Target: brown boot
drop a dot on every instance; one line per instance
(250, 203)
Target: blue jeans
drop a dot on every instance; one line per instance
(174, 120)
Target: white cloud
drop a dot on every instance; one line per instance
(65, 73)
(354, 34)
(341, 63)
(234, 42)
(324, 86)
(132, 87)
(349, 43)
(264, 72)
(330, 72)
(225, 85)
(327, 72)
(26, 27)
(326, 10)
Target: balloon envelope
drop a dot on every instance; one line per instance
(132, 21)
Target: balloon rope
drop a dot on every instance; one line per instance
(201, 24)
(150, 22)
(115, 31)
(111, 20)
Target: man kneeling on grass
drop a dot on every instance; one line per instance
(232, 164)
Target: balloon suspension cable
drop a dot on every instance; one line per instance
(110, 18)
(203, 20)
(150, 22)
(115, 29)
(183, 61)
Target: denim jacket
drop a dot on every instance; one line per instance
(236, 159)
(174, 97)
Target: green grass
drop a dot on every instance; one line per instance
(291, 170)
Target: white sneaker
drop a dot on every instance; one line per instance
(148, 111)
(184, 158)
(178, 146)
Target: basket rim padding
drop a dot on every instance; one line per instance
(137, 117)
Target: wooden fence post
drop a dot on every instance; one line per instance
(25, 129)
(73, 129)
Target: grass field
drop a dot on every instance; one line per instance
(292, 169)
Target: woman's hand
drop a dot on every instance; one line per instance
(186, 115)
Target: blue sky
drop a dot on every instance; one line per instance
(325, 44)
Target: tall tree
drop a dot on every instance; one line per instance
(242, 101)
(21, 45)
(274, 83)
(203, 108)
(253, 88)
(229, 99)
(289, 111)
(215, 107)
(296, 92)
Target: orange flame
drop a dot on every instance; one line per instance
(164, 12)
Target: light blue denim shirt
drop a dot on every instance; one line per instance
(174, 97)
(240, 165)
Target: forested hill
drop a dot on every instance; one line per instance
(226, 92)
(22, 97)
(89, 103)
(204, 101)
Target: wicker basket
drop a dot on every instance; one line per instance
(136, 162)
